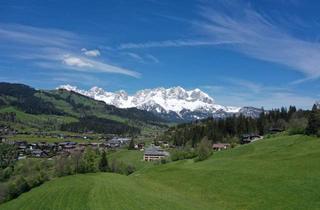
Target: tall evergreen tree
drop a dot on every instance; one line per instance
(313, 127)
(103, 164)
(131, 144)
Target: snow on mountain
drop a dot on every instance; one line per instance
(186, 104)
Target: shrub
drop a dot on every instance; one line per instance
(181, 154)
(204, 149)
(297, 126)
(6, 173)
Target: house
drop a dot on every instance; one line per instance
(140, 146)
(113, 143)
(220, 146)
(2, 139)
(154, 153)
(38, 153)
(248, 138)
(117, 142)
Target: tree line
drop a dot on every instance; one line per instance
(230, 129)
(99, 125)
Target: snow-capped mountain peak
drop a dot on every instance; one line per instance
(174, 101)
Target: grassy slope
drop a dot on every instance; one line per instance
(276, 173)
(132, 157)
(29, 122)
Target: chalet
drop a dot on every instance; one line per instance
(2, 139)
(248, 138)
(220, 146)
(154, 153)
(38, 153)
(69, 147)
(117, 142)
(113, 143)
(140, 146)
(94, 145)
(124, 140)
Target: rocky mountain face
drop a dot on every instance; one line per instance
(173, 104)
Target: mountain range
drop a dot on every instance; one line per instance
(172, 104)
(27, 109)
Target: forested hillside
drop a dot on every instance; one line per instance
(25, 108)
(230, 129)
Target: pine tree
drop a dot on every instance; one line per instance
(131, 144)
(313, 127)
(103, 164)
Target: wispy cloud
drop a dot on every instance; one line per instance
(240, 92)
(91, 53)
(77, 62)
(257, 36)
(53, 48)
(169, 43)
(85, 64)
(134, 56)
(152, 58)
(141, 58)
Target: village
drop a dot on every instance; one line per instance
(43, 149)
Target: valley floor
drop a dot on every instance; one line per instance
(276, 173)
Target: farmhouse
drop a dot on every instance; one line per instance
(220, 146)
(154, 153)
(248, 138)
(117, 142)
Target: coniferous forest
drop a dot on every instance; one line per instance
(230, 129)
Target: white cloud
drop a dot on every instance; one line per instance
(89, 65)
(75, 61)
(91, 53)
(54, 49)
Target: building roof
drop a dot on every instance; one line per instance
(220, 145)
(153, 150)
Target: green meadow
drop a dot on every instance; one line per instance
(275, 173)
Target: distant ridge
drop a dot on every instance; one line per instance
(174, 104)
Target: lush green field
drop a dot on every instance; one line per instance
(275, 173)
(130, 157)
(49, 139)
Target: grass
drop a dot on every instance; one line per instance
(130, 157)
(30, 122)
(276, 173)
(49, 139)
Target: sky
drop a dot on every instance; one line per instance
(263, 53)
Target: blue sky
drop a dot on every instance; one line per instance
(258, 53)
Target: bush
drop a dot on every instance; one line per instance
(129, 170)
(8, 155)
(3, 192)
(204, 149)
(181, 154)
(121, 168)
(17, 187)
(6, 173)
(297, 126)
(89, 162)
